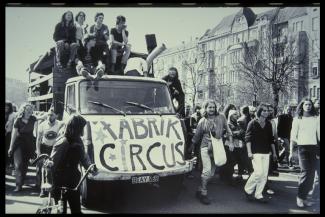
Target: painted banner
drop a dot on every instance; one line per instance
(137, 143)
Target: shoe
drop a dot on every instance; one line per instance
(270, 192)
(198, 195)
(261, 200)
(307, 203)
(18, 189)
(190, 176)
(300, 203)
(249, 197)
(205, 200)
(42, 194)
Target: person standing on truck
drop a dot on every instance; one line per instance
(81, 30)
(65, 38)
(120, 45)
(89, 64)
(67, 153)
(47, 133)
(101, 32)
(22, 144)
(175, 89)
(212, 122)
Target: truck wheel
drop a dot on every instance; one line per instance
(89, 193)
(173, 185)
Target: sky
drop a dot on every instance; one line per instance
(29, 30)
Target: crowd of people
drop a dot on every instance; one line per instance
(94, 52)
(255, 139)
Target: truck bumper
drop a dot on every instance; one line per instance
(104, 175)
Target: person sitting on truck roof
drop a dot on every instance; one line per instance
(101, 32)
(65, 38)
(88, 63)
(81, 30)
(119, 38)
(175, 89)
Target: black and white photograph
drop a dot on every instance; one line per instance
(164, 109)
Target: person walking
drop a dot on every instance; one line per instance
(47, 133)
(212, 123)
(259, 141)
(243, 121)
(22, 145)
(10, 116)
(284, 129)
(305, 133)
(66, 155)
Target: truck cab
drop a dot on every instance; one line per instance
(132, 134)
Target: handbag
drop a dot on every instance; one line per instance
(219, 153)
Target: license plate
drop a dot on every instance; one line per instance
(145, 179)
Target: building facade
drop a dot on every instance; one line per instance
(220, 50)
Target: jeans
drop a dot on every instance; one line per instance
(307, 163)
(21, 165)
(258, 178)
(208, 170)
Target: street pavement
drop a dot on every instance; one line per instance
(147, 198)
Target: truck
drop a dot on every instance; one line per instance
(133, 133)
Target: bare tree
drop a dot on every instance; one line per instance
(191, 68)
(273, 61)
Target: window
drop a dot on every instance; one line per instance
(71, 99)
(314, 91)
(315, 24)
(314, 45)
(310, 92)
(318, 93)
(315, 69)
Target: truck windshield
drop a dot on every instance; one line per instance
(129, 97)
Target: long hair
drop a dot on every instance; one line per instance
(300, 109)
(10, 110)
(79, 14)
(174, 69)
(205, 113)
(21, 111)
(71, 22)
(228, 108)
(74, 128)
(260, 108)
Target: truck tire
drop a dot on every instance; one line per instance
(89, 193)
(172, 185)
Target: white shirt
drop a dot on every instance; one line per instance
(306, 131)
(50, 132)
(136, 63)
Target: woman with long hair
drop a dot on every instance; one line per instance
(212, 123)
(305, 133)
(66, 154)
(22, 144)
(65, 38)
